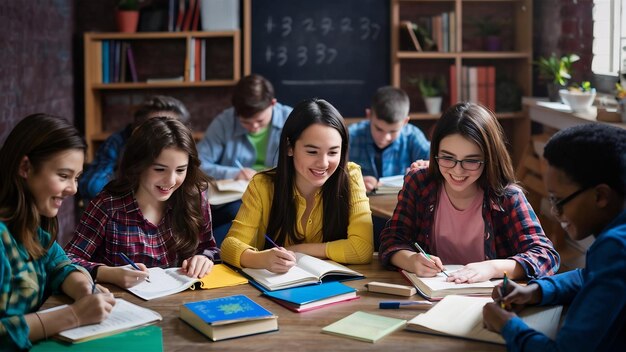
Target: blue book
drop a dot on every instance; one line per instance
(228, 317)
(306, 298)
(105, 61)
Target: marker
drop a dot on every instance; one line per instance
(417, 246)
(268, 239)
(127, 260)
(404, 304)
(503, 291)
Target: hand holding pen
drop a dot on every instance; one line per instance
(245, 173)
(278, 259)
(135, 266)
(436, 262)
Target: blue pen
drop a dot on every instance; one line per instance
(268, 239)
(239, 165)
(127, 260)
(404, 304)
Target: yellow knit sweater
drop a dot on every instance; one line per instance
(249, 227)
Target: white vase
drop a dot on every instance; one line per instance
(433, 105)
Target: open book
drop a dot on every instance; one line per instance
(390, 184)
(165, 282)
(308, 270)
(435, 288)
(462, 316)
(123, 317)
(226, 191)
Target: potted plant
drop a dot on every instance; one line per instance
(127, 15)
(556, 71)
(431, 89)
(489, 31)
(579, 97)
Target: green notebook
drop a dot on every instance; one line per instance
(364, 326)
(149, 338)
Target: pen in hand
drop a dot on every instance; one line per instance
(239, 165)
(131, 263)
(268, 239)
(417, 246)
(503, 291)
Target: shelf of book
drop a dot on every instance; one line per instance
(122, 69)
(448, 38)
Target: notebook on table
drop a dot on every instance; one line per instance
(226, 191)
(308, 270)
(147, 338)
(364, 326)
(462, 316)
(436, 287)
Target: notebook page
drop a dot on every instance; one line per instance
(162, 283)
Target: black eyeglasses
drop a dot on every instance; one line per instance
(467, 164)
(557, 204)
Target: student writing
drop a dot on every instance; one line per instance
(313, 202)
(41, 160)
(154, 211)
(586, 180)
(466, 209)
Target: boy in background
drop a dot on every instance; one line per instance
(242, 140)
(586, 180)
(386, 144)
(102, 169)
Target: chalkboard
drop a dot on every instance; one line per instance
(336, 50)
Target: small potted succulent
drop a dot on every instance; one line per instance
(489, 30)
(578, 97)
(556, 71)
(127, 15)
(432, 89)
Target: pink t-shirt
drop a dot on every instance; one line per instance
(459, 234)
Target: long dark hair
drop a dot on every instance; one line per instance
(39, 137)
(477, 124)
(335, 191)
(143, 147)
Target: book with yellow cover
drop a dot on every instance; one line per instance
(165, 282)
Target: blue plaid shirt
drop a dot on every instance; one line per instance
(396, 158)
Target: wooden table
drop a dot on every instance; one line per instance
(298, 331)
(383, 205)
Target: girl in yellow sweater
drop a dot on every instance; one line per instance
(313, 202)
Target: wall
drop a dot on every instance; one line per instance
(36, 68)
(563, 27)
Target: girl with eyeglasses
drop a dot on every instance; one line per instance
(465, 208)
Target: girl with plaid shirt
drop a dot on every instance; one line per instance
(466, 209)
(154, 211)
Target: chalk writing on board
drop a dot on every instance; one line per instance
(316, 51)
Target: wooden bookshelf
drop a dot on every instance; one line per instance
(156, 54)
(512, 63)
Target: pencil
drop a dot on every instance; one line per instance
(417, 246)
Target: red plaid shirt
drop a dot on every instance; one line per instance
(512, 230)
(114, 224)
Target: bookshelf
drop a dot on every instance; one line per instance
(165, 59)
(464, 47)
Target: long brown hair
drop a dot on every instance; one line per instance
(143, 147)
(39, 137)
(479, 125)
(335, 191)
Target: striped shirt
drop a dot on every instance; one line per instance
(114, 224)
(512, 230)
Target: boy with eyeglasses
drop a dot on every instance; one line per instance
(586, 178)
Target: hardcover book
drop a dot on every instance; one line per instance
(435, 288)
(306, 298)
(228, 317)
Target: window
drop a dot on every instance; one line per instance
(609, 37)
